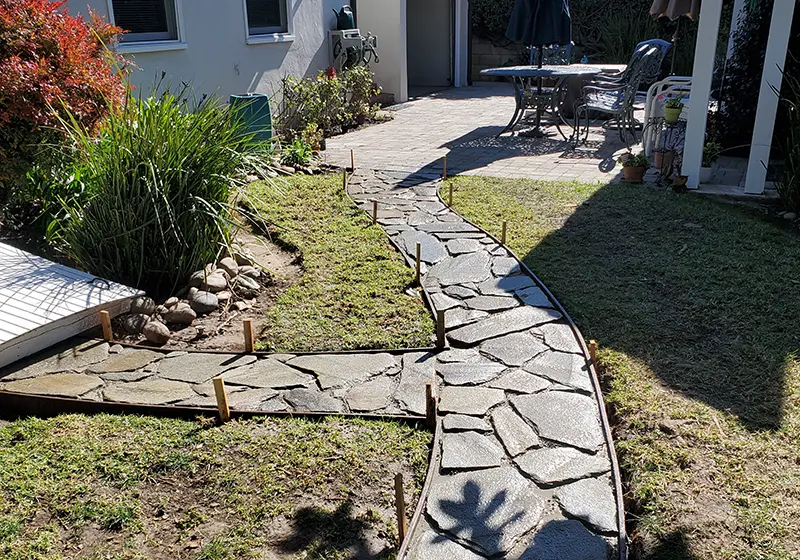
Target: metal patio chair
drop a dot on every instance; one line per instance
(617, 96)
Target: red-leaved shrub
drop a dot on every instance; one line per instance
(51, 65)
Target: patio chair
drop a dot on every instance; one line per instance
(641, 49)
(540, 98)
(617, 97)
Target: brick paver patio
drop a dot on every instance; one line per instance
(462, 124)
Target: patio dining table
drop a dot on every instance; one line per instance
(529, 94)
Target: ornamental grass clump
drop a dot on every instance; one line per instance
(158, 185)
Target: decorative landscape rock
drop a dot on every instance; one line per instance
(566, 539)
(149, 391)
(203, 302)
(55, 385)
(517, 436)
(215, 282)
(133, 323)
(567, 369)
(558, 465)
(460, 422)
(567, 418)
(196, 367)
(156, 332)
(268, 373)
(171, 302)
(591, 500)
(246, 286)
(307, 400)
(474, 401)
(519, 381)
(230, 266)
(129, 360)
(514, 349)
(469, 450)
(180, 314)
(490, 508)
(143, 305)
(473, 267)
(470, 373)
(505, 322)
(341, 369)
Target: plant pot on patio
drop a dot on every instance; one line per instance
(711, 151)
(634, 166)
(673, 109)
(705, 174)
(634, 174)
(662, 160)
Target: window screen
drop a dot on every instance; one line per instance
(266, 16)
(146, 20)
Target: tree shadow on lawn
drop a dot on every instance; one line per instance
(707, 295)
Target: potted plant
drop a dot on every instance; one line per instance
(673, 108)
(711, 152)
(634, 166)
(663, 158)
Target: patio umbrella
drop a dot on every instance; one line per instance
(674, 9)
(539, 23)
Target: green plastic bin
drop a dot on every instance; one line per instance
(253, 109)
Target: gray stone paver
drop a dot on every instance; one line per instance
(516, 399)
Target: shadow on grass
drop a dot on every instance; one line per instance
(340, 533)
(706, 295)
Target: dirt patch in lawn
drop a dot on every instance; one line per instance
(132, 488)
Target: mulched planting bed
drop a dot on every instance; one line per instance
(130, 488)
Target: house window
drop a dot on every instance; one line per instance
(266, 17)
(146, 20)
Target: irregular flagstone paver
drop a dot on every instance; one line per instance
(250, 400)
(443, 302)
(431, 249)
(557, 465)
(470, 373)
(568, 418)
(591, 500)
(460, 291)
(340, 369)
(514, 349)
(129, 360)
(149, 391)
(455, 318)
(505, 266)
(469, 450)
(450, 227)
(491, 303)
(419, 218)
(519, 381)
(534, 296)
(566, 539)
(431, 545)
(505, 322)
(473, 267)
(206, 389)
(567, 369)
(460, 422)
(418, 370)
(56, 385)
(459, 355)
(75, 359)
(490, 508)
(517, 436)
(559, 336)
(474, 401)
(198, 367)
(370, 396)
(462, 246)
(308, 400)
(268, 372)
(505, 285)
(126, 375)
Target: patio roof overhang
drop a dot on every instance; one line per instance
(772, 77)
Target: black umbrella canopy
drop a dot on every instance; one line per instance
(540, 23)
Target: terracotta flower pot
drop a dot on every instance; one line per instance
(633, 174)
(663, 160)
(672, 114)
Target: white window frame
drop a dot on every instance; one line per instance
(153, 45)
(269, 37)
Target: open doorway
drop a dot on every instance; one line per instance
(429, 46)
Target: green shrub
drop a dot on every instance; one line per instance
(297, 153)
(156, 190)
(789, 146)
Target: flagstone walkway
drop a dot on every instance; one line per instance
(525, 468)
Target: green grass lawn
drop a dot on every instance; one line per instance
(695, 305)
(352, 294)
(135, 488)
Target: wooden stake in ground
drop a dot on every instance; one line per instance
(400, 507)
(105, 321)
(439, 329)
(419, 264)
(444, 167)
(344, 179)
(374, 212)
(503, 232)
(430, 407)
(248, 335)
(450, 199)
(593, 352)
(222, 399)
(352, 160)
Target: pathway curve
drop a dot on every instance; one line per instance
(525, 466)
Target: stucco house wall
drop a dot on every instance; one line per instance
(213, 51)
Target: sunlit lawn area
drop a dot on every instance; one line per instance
(134, 488)
(353, 291)
(695, 305)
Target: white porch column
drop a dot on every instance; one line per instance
(461, 43)
(702, 73)
(774, 60)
